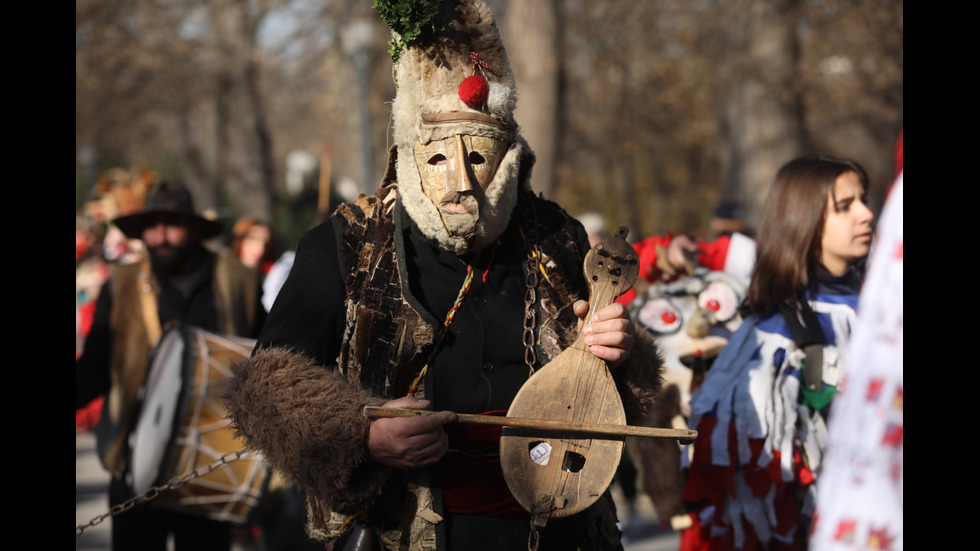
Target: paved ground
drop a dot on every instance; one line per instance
(91, 500)
(642, 533)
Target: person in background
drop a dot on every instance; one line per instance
(253, 242)
(277, 274)
(672, 256)
(595, 226)
(180, 281)
(761, 411)
(99, 244)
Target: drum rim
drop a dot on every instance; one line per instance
(171, 454)
(180, 407)
(182, 400)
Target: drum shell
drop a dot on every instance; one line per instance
(184, 428)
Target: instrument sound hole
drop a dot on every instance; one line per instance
(573, 462)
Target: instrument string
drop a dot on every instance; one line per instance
(577, 461)
(590, 359)
(583, 408)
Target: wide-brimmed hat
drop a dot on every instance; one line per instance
(166, 198)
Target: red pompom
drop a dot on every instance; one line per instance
(473, 90)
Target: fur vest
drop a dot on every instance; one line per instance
(306, 418)
(387, 341)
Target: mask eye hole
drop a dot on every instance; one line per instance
(437, 159)
(476, 159)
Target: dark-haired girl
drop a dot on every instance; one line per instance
(761, 412)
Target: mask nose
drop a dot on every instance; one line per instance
(462, 172)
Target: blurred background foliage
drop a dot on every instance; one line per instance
(649, 112)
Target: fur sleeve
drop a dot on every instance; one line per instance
(307, 421)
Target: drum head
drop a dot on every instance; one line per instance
(155, 426)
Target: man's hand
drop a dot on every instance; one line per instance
(609, 333)
(409, 442)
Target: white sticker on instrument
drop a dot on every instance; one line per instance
(541, 453)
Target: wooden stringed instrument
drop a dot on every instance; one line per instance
(552, 473)
(564, 433)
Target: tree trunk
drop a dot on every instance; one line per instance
(246, 173)
(198, 147)
(531, 37)
(760, 109)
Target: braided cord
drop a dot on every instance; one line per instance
(442, 330)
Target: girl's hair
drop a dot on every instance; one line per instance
(791, 229)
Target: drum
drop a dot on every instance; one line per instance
(183, 426)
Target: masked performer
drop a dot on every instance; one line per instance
(444, 290)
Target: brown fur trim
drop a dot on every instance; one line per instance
(131, 357)
(640, 379)
(307, 422)
(660, 459)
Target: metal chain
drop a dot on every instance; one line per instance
(530, 317)
(154, 492)
(533, 537)
(531, 283)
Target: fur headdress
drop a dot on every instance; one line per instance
(453, 77)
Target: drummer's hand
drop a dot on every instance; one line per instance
(609, 333)
(409, 442)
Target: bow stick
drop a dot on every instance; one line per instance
(684, 436)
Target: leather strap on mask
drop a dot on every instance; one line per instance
(432, 119)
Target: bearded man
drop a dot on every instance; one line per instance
(180, 281)
(418, 296)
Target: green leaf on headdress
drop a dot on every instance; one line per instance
(408, 20)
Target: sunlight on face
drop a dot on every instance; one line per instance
(456, 165)
(254, 244)
(847, 226)
(455, 173)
